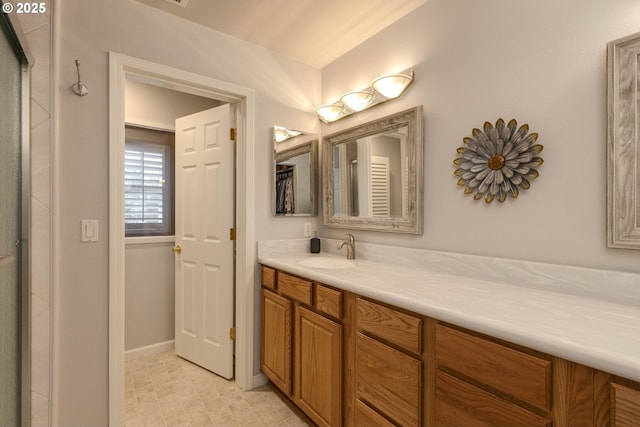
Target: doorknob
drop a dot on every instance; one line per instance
(177, 249)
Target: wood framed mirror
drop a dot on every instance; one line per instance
(373, 175)
(623, 144)
(295, 173)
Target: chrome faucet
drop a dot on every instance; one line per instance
(351, 246)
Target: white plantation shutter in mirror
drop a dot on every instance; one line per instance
(380, 200)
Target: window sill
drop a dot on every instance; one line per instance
(148, 240)
(6, 260)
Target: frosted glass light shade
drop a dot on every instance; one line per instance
(358, 100)
(330, 112)
(393, 85)
(281, 133)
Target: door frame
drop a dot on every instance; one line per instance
(243, 99)
(18, 41)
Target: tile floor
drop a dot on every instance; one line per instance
(164, 390)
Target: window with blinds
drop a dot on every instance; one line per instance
(148, 182)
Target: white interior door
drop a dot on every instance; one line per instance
(204, 215)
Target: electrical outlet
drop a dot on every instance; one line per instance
(307, 229)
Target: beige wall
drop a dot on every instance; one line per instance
(157, 107)
(149, 294)
(88, 30)
(540, 62)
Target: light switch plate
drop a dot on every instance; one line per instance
(307, 229)
(89, 230)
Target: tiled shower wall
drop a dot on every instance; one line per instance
(38, 31)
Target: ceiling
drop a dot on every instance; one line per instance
(314, 32)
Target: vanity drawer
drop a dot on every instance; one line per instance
(328, 301)
(391, 325)
(389, 381)
(625, 406)
(268, 277)
(295, 288)
(365, 416)
(459, 403)
(518, 374)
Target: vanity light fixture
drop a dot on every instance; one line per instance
(393, 85)
(331, 112)
(382, 89)
(358, 100)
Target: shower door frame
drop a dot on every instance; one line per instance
(26, 60)
(25, 258)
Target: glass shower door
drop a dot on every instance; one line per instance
(12, 282)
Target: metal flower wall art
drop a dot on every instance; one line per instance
(498, 161)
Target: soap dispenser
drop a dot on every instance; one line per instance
(315, 244)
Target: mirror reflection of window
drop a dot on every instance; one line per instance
(370, 176)
(380, 182)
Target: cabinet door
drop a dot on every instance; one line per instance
(275, 351)
(318, 373)
(625, 406)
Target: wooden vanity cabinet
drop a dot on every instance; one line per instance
(302, 344)
(346, 360)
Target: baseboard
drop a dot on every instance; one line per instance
(148, 350)
(260, 380)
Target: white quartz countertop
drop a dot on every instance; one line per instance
(591, 330)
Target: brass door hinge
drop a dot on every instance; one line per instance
(232, 233)
(232, 134)
(232, 333)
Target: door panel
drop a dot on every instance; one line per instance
(212, 334)
(188, 220)
(188, 299)
(211, 206)
(204, 215)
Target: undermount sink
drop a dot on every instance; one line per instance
(327, 262)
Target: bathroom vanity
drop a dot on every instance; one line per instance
(373, 344)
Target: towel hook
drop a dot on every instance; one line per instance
(79, 88)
